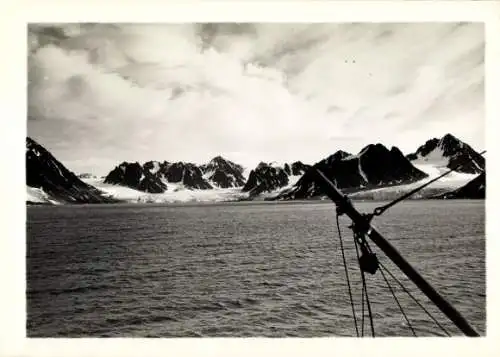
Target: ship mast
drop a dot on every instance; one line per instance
(362, 222)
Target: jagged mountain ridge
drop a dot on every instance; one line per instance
(268, 177)
(135, 176)
(373, 166)
(155, 176)
(46, 173)
(449, 151)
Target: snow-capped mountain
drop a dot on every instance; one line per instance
(376, 172)
(223, 173)
(269, 177)
(49, 181)
(172, 182)
(374, 166)
(154, 176)
(187, 174)
(264, 178)
(135, 176)
(446, 153)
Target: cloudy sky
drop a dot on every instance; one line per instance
(102, 94)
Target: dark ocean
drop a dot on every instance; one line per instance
(242, 269)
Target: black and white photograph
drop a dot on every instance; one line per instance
(255, 179)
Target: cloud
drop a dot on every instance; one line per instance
(249, 91)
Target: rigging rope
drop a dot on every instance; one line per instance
(364, 293)
(362, 299)
(415, 299)
(368, 305)
(362, 310)
(347, 278)
(379, 210)
(397, 301)
(370, 263)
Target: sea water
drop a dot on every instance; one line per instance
(243, 269)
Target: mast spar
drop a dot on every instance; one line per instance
(363, 223)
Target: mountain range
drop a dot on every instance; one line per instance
(375, 167)
(155, 177)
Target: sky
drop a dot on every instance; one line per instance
(100, 94)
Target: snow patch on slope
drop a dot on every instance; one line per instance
(156, 167)
(435, 157)
(434, 171)
(38, 195)
(292, 180)
(451, 182)
(246, 173)
(361, 172)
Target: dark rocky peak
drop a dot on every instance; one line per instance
(44, 171)
(265, 178)
(374, 166)
(449, 139)
(155, 166)
(424, 150)
(296, 168)
(374, 150)
(449, 151)
(337, 156)
(451, 145)
(32, 144)
(395, 151)
(219, 163)
(135, 176)
(341, 154)
(287, 169)
(299, 168)
(262, 165)
(383, 166)
(224, 173)
(43, 158)
(188, 174)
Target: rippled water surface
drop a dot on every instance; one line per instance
(241, 269)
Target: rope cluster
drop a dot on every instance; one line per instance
(368, 262)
